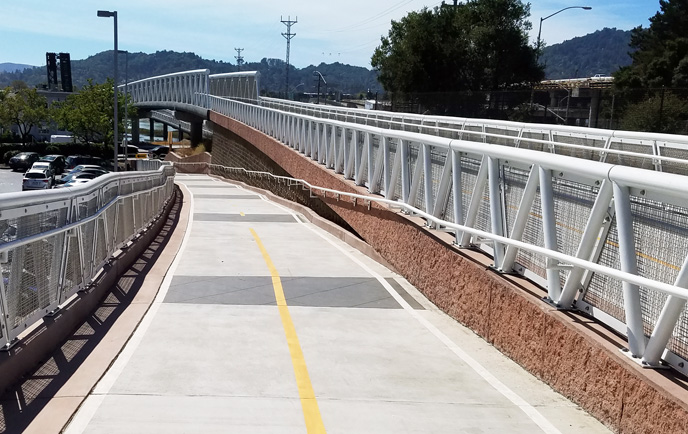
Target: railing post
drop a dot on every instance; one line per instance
(371, 161)
(405, 172)
(629, 264)
(549, 229)
(428, 181)
(496, 213)
(457, 192)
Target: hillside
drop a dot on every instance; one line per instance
(12, 67)
(602, 52)
(339, 77)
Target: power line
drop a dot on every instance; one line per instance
(238, 58)
(376, 17)
(288, 36)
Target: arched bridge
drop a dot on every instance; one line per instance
(565, 248)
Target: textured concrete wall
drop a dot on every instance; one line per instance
(202, 159)
(577, 357)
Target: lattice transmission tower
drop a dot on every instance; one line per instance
(238, 58)
(288, 36)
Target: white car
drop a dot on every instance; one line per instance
(44, 165)
(37, 179)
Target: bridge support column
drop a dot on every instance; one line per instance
(152, 130)
(196, 122)
(196, 133)
(135, 131)
(596, 95)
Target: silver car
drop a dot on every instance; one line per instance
(37, 179)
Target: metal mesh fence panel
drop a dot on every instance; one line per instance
(504, 141)
(573, 203)
(438, 159)
(587, 154)
(535, 146)
(73, 276)
(533, 234)
(393, 149)
(448, 212)
(514, 186)
(88, 244)
(375, 143)
(136, 214)
(362, 170)
(31, 277)
(671, 167)
(661, 234)
(604, 292)
(625, 160)
(100, 251)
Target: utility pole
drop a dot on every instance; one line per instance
(238, 58)
(288, 36)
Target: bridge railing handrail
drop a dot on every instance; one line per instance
(55, 243)
(654, 143)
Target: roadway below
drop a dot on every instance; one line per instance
(267, 324)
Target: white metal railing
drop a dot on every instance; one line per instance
(188, 88)
(609, 239)
(661, 152)
(55, 243)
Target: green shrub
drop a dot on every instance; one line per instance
(9, 154)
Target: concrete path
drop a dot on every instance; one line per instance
(267, 324)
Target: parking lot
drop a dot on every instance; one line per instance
(10, 181)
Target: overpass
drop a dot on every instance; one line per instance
(595, 217)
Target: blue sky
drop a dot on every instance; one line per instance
(327, 31)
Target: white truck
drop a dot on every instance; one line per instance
(61, 138)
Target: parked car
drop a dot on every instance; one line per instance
(57, 161)
(23, 160)
(37, 179)
(75, 160)
(79, 178)
(91, 170)
(40, 165)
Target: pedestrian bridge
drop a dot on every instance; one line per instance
(470, 214)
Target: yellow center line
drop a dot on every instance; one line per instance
(309, 404)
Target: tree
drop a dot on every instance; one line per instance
(479, 45)
(24, 108)
(660, 60)
(88, 114)
(661, 50)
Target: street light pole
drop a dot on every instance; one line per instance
(125, 142)
(320, 77)
(539, 41)
(113, 14)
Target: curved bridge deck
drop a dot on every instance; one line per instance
(268, 324)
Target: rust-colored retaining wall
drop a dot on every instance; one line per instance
(202, 159)
(577, 357)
